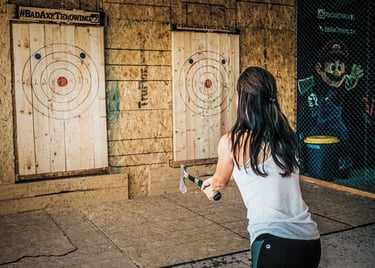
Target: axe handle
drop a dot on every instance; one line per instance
(199, 183)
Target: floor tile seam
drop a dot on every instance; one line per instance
(348, 229)
(333, 219)
(190, 233)
(108, 238)
(193, 239)
(152, 244)
(207, 259)
(208, 219)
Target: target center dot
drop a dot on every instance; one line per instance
(208, 83)
(62, 81)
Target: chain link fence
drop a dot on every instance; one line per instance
(336, 91)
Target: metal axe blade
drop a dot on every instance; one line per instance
(183, 188)
(198, 182)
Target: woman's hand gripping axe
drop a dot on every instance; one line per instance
(186, 175)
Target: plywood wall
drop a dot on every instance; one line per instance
(139, 76)
(7, 174)
(268, 39)
(141, 122)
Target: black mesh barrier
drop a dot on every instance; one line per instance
(336, 91)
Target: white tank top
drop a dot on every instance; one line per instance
(274, 204)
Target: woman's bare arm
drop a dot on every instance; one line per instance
(224, 168)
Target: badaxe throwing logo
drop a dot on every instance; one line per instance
(59, 15)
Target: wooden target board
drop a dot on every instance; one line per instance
(59, 99)
(205, 69)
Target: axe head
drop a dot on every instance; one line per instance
(183, 188)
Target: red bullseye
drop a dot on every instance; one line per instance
(62, 81)
(208, 83)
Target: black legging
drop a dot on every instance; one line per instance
(272, 251)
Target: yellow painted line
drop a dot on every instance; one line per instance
(338, 187)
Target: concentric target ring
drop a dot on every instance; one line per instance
(205, 80)
(60, 81)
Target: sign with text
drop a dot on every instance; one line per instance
(60, 15)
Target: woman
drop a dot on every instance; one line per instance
(261, 153)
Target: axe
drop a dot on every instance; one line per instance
(186, 175)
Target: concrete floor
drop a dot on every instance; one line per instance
(178, 230)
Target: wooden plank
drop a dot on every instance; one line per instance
(231, 47)
(218, 43)
(85, 120)
(195, 42)
(192, 44)
(72, 140)
(179, 107)
(62, 174)
(57, 128)
(50, 187)
(23, 99)
(98, 108)
(40, 121)
(69, 199)
(197, 162)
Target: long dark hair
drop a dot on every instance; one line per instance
(261, 124)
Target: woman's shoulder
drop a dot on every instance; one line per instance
(226, 137)
(224, 147)
(225, 141)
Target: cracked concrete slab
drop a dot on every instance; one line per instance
(31, 235)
